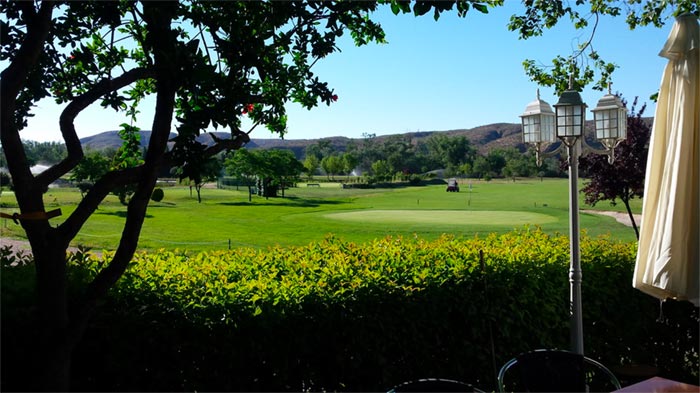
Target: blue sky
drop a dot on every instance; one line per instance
(455, 73)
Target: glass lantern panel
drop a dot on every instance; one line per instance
(547, 131)
(605, 123)
(531, 129)
(569, 121)
(622, 124)
(611, 124)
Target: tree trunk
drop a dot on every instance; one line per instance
(53, 355)
(59, 329)
(629, 212)
(53, 360)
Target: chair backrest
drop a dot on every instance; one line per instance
(546, 370)
(434, 385)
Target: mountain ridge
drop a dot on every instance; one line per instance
(484, 138)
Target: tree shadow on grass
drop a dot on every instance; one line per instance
(121, 214)
(287, 201)
(163, 204)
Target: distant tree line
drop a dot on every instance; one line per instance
(46, 153)
(39, 153)
(395, 158)
(399, 157)
(264, 172)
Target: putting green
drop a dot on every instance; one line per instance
(445, 217)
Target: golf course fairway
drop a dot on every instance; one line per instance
(448, 217)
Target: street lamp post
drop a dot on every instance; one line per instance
(541, 127)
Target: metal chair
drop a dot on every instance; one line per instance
(551, 370)
(434, 385)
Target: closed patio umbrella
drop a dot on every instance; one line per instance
(668, 257)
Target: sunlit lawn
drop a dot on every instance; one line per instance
(308, 214)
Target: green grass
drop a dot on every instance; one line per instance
(308, 214)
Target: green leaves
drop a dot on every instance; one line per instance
(438, 7)
(273, 168)
(255, 283)
(127, 156)
(421, 7)
(481, 8)
(92, 167)
(263, 312)
(544, 14)
(400, 6)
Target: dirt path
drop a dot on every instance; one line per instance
(22, 245)
(16, 244)
(622, 218)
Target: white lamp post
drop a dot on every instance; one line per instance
(610, 117)
(538, 125)
(567, 123)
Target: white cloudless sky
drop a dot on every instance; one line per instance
(454, 73)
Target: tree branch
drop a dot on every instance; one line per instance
(72, 110)
(236, 142)
(14, 76)
(158, 17)
(589, 42)
(13, 79)
(71, 226)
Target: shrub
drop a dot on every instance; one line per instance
(415, 180)
(5, 181)
(157, 195)
(84, 187)
(342, 316)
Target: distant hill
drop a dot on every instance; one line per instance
(111, 140)
(484, 138)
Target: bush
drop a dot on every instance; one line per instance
(5, 181)
(415, 180)
(84, 187)
(157, 195)
(341, 316)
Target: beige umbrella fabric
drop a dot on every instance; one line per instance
(668, 257)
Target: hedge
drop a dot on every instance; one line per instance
(336, 315)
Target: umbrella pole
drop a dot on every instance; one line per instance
(575, 274)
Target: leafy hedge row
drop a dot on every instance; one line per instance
(360, 317)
